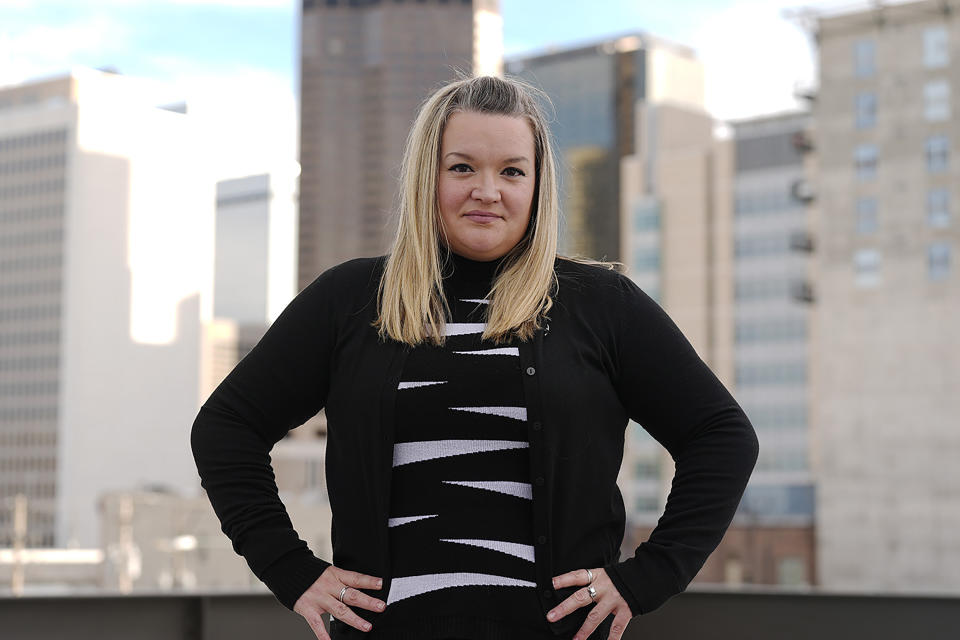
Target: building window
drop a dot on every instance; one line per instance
(936, 100)
(938, 261)
(866, 265)
(867, 215)
(864, 56)
(865, 161)
(938, 153)
(866, 110)
(938, 208)
(936, 47)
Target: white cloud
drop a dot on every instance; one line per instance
(754, 60)
(47, 50)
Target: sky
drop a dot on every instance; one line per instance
(242, 54)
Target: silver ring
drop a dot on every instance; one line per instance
(589, 576)
(592, 592)
(342, 591)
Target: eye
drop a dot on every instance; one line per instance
(460, 168)
(513, 172)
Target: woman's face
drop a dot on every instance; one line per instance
(486, 183)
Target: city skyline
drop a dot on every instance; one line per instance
(247, 68)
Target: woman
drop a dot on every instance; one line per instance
(477, 388)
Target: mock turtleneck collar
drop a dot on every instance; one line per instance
(467, 270)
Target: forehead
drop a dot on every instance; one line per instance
(470, 132)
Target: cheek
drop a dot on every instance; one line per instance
(449, 197)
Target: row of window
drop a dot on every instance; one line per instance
(33, 388)
(32, 540)
(29, 165)
(771, 373)
(778, 417)
(31, 312)
(771, 330)
(936, 52)
(646, 259)
(765, 202)
(763, 289)
(32, 363)
(33, 140)
(867, 265)
(21, 464)
(936, 105)
(765, 245)
(936, 151)
(30, 213)
(772, 459)
(47, 236)
(29, 338)
(29, 489)
(26, 414)
(31, 262)
(40, 187)
(937, 208)
(30, 287)
(27, 439)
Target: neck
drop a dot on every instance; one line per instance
(465, 269)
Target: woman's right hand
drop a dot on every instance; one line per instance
(323, 596)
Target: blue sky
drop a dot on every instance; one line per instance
(247, 49)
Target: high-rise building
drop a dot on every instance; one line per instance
(886, 366)
(594, 90)
(365, 69)
(677, 246)
(772, 539)
(106, 225)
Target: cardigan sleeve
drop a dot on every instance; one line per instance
(670, 392)
(279, 385)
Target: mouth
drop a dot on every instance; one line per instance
(481, 216)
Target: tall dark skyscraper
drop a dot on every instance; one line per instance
(366, 66)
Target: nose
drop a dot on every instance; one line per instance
(486, 189)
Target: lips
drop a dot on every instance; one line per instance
(481, 216)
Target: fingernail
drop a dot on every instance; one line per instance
(380, 606)
(551, 615)
(366, 627)
(379, 583)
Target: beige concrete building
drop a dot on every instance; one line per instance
(101, 329)
(886, 369)
(676, 244)
(365, 68)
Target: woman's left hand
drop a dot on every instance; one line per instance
(606, 601)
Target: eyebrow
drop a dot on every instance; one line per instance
(467, 156)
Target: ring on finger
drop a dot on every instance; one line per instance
(593, 592)
(589, 576)
(342, 591)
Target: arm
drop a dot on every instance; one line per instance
(671, 392)
(279, 385)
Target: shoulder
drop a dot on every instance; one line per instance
(352, 275)
(589, 279)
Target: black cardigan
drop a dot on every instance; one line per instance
(607, 353)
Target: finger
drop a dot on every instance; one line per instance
(597, 615)
(316, 624)
(358, 580)
(579, 598)
(356, 598)
(619, 625)
(345, 614)
(576, 578)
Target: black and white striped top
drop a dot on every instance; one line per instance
(461, 533)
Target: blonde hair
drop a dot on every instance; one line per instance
(411, 304)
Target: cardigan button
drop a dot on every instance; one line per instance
(542, 539)
(531, 371)
(548, 594)
(537, 426)
(539, 481)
